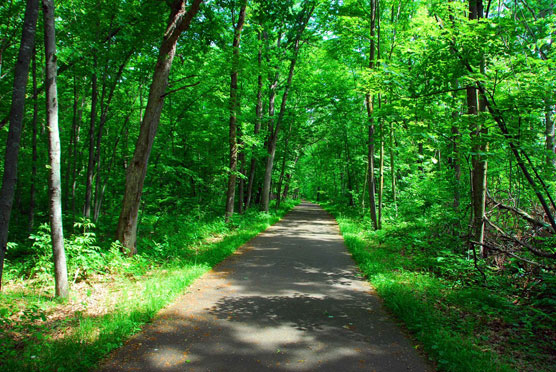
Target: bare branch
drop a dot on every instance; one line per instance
(178, 89)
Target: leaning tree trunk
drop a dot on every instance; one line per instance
(21, 75)
(303, 21)
(230, 195)
(179, 21)
(55, 179)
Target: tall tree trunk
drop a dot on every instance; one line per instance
(479, 148)
(230, 195)
(104, 106)
(241, 186)
(33, 192)
(275, 129)
(55, 179)
(259, 113)
(371, 182)
(264, 200)
(348, 169)
(288, 179)
(179, 21)
(74, 146)
(21, 75)
(393, 168)
(91, 138)
(283, 168)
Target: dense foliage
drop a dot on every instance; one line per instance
(443, 109)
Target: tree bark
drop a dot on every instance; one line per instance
(259, 113)
(21, 75)
(275, 129)
(371, 182)
(393, 168)
(55, 179)
(550, 138)
(33, 192)
(288, 179)
(179, 21)
(475, 104)
(91, 137)
(104, 106)
(283, 168)
(230, 195)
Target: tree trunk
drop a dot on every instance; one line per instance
(269, 146)
(381, 168)
(288, 179)
(91, 137)
(230, 195)
(21, 75)
(304, 19)
(283, 168)
(371, 182)
(393, 168)
(55, 179)
(104, 106)
(179, 21)
(259, 113)
(550, 139)
(74, 146)
(33, 192)
(479, 148)
(241, 186)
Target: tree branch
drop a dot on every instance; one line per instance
(178, 89)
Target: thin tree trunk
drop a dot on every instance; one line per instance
(33, 192)
(21, 75)
(100, 132)
(76, 158)
(102, 189)
(241, 186)
(550, 138)
(288, 179)
(179, 21)
(91, 138)
(55, 179)
(259, 113)
(479, 148)
(371, 134)
(230, 195)
(393, 168)
(283, 168)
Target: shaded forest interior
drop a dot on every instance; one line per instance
(144, 141)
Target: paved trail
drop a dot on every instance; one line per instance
(292, 300)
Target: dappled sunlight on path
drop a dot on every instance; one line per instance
(290, 300)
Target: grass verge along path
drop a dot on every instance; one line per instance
(39, 333)
(462, 326)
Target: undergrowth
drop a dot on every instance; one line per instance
(463, 321)
(112, 296)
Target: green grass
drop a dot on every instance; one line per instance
(460, 324)
(167, 263)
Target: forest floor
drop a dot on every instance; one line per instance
(111, 295)
(291, 299)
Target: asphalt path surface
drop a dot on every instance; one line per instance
(291, 299)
